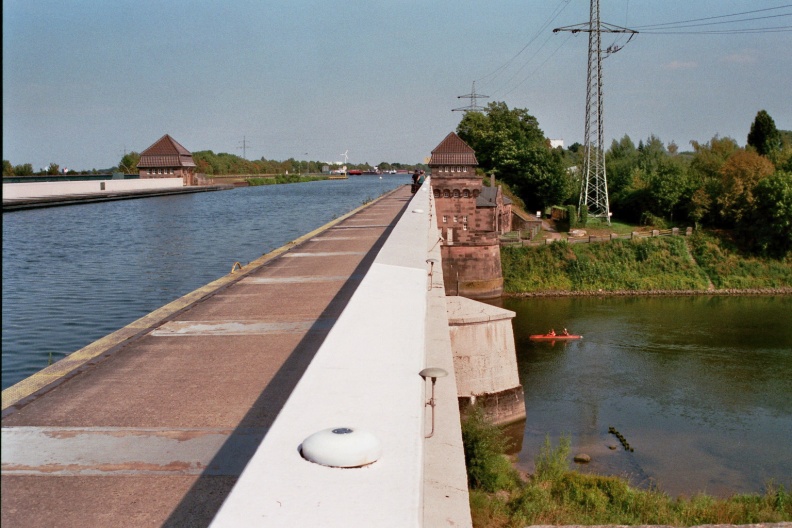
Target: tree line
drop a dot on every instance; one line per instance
(719, 184)
(207, 162)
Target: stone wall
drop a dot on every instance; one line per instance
(473, 271)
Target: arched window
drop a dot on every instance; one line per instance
(456, 193)
(466, 194)
(446, 194)
(437, 193)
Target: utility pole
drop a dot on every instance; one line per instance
(244, 147)
(594, 188)
(473, 96)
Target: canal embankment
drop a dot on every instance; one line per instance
(697, 264)
(20, 196)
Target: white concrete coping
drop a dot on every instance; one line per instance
(365, 375)
(44, 189)
(466, 311)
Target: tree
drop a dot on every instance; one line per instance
(705, 177)
(53, 169)
(770, 228)
(708, 158)
(8, 169)
(667, 185)
(764, 135)
(620, 160)
(25, 169)
(510, 143)
(486, 133)
(740, 175)
(129, 162)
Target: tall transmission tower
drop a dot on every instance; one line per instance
(594, 188)
(474, 97)
(244, 146)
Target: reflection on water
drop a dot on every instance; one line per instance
(699, 387)
(74, 274)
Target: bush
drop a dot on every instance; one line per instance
(552, 463)
(648, 219)
(572, 215)
(485, 446)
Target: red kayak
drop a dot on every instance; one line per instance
(551, 337)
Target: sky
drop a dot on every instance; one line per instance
(87, 80)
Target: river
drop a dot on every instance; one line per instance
(700, 387)
(74, 274)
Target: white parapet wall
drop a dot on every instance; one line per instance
(365, 377)
(18, 191)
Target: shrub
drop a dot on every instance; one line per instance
(485, 447)
(552, 463)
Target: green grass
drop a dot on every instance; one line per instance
(661, 263)
(642, 265)
(557, 495)
(728, 268)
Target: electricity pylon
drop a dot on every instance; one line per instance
(594, 188)
(473, 96)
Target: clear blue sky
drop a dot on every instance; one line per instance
(85, 80)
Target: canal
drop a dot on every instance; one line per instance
(74, 274)
(700, 387)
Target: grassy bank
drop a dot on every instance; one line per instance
(284, 178)
(501, 497)
(693, 263)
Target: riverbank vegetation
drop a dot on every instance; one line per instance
(555, 495)
(283, 178)
(718, 185)
(701, 262)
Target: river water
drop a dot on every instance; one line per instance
(74, 274)
(700, 387)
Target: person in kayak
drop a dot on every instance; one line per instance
(551, 332)
(565, 332)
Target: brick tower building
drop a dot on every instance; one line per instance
(470, 217)
(166, 158)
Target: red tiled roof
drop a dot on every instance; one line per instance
(166, 152)
(453, 151)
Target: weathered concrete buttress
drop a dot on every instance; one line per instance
(485, 360)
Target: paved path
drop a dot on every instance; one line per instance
(153, 425)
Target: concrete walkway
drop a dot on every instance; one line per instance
(152, 425)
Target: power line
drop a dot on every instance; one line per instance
(556, 12)
(713, 17)
(773, 29)
(530, 75)
(685, 25)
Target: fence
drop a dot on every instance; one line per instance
(515, 238)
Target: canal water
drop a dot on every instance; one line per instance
(74, 274)
(700, 387)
